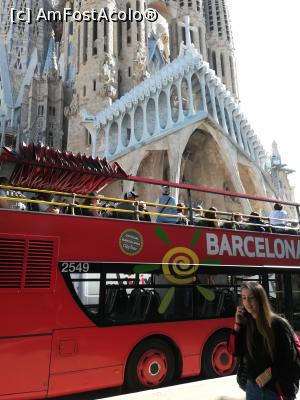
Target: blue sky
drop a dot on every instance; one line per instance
(266, 37)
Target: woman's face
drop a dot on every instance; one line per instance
(249, 302)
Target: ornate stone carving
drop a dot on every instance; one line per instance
(73, 108)
(165, 42)
(108, 77)
(140, 72)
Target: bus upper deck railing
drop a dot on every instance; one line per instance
(109, 207)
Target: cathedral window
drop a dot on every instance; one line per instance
(50, 139)
(119, 83)
(40, 110)
(128, 134)
(36, 23)
(95, 36)
(85, 42)
(94, 85)
(128, 25)
(129, 71)
(119, 32)
(84, 91)
(71, 28)
(183, 34)
(222, 66)
(181, 3)
(214, 61)
(232, 74)
(192, 36)
(88, 138)
(18, 64)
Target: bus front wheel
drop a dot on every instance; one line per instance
(151, 365)
(216, 360)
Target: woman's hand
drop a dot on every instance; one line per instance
(264, 378)
(239, 314)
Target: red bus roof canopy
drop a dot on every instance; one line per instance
(41, 167)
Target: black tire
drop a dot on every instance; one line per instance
(151, 365)
(216, 360)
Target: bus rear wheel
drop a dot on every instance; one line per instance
(151, 365)
(216, 360)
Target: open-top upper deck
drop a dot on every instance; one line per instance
(116, 239)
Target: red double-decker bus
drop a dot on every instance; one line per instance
(90, 303)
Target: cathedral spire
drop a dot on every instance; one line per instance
(220, 44)
(53, 67)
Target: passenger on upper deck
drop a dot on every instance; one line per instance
(278, 216)
(93, 202)
(255, 223)
(40, 207)
(143, 207)
(166, 200)
(108, 213)
(131, 207)
(53, 209)
(182, 219)
(235, 223)
(211, 214)
(198, 215)
(3, 202)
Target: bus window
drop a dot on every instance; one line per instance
(87, 288)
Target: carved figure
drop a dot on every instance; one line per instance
(73, 108)
(140, 68)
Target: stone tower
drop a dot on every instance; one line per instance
(108, 59)
(220, 49)
(31, 95)
(279, 174)
(177, 9)
(131, 43)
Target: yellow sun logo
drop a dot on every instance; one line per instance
(179, 266)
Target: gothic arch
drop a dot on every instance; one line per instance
(252, 187)
(154, 165)
(203, 165)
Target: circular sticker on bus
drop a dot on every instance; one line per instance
(131, 242)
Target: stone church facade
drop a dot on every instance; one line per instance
(161, 98)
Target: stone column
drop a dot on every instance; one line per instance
(190, 90)
(180, 110)
(203, 92)
(238, 119)
(169, 111)
(145, 127)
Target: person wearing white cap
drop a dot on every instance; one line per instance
(166, 200)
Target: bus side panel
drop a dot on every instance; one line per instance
(84, 359)
(24, 365)
(94, 358)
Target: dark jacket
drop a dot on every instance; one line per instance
(285, 365)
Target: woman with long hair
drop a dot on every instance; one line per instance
(265, 342)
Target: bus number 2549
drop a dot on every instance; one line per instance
(69, 267)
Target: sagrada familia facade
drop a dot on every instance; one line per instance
(159, 97)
